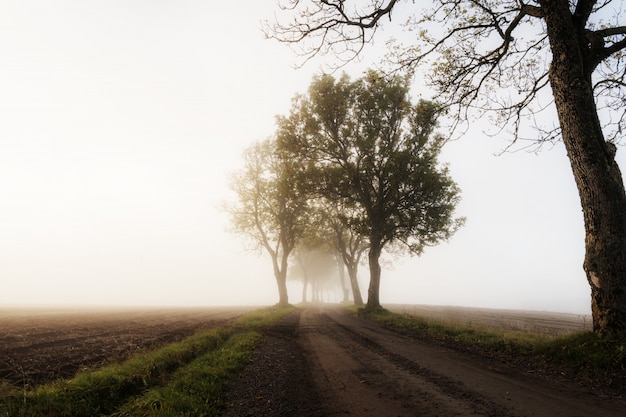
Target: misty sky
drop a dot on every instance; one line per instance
(120, 122)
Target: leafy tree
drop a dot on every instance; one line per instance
(346, 243)
(270, 208)
(376, 154)
(350, 247)
(326, 233)
(499, 56)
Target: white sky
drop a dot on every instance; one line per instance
(120, 122)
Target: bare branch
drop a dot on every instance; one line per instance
(479, 51)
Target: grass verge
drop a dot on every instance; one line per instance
(161, 378)
(583, 354)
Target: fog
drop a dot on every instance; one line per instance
(120, 122)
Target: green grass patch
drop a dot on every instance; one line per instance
(195, 390)
(165, 372)
(594, 355)
(583, 353)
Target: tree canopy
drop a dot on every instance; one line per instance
(498, 57)
(270, 207)
(373, 152)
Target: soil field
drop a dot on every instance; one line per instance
(42, 344)
(537, 322)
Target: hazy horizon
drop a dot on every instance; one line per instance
(120, 123)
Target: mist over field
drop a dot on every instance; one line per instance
(121, 122)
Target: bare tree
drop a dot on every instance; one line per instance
(498, 57)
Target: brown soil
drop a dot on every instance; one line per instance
(37, 346)
(327, 362)
(278, 381)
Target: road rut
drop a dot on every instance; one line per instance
(359, 368)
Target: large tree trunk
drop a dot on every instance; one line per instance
(373, 292)
(597, 175)
(280, 273)
(283, 299)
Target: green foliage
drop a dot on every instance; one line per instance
(373, 153)
(271, 206)
(370, 153)
(268, 206)
(183, 378)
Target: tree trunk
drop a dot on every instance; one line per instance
(342, 277)
(354, 283)
(280, 273)
(597, 175)
(373, 292)
(283, 299)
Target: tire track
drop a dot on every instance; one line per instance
(363, 369)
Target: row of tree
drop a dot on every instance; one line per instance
(498, 58)
(352, 168)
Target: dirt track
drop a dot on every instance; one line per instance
(353, 367)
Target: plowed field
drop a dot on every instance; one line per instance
(536, 322)
(40, 345)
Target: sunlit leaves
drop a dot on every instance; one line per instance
(374, 153)
(270, 204)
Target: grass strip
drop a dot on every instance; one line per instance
(196, 389)
(584, 353)
(103, 391)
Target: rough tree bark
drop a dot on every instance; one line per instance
(373, 291)
(597, 175)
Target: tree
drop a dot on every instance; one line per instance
(376, 154)
(350, 247)
(326, 231)
(314, 266)
(313, 255)
(490, 55)
(270, 207)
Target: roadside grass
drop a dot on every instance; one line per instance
(582, 353)
(183, 379)
(195, 389)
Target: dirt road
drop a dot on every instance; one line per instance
(327, 362)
